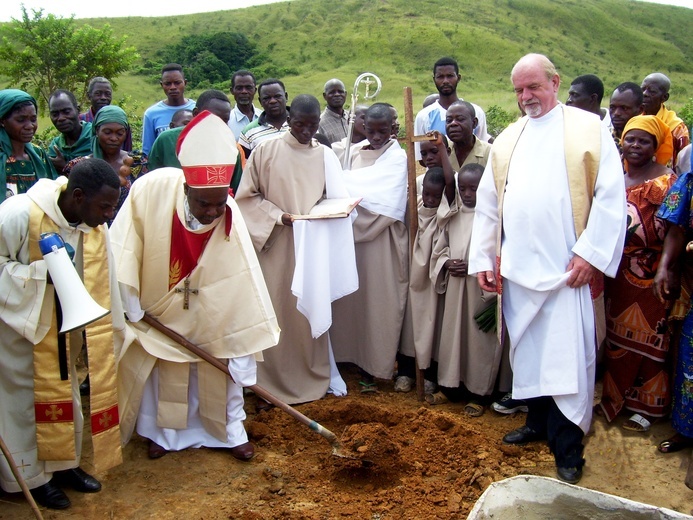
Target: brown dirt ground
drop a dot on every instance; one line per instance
(421, 462)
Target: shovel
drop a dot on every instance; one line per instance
(337, 449)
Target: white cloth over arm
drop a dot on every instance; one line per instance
(325, 260)
(387, 196)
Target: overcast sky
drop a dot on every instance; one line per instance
(96, 9)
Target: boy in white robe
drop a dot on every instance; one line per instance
(422, 319)
(466, 355)
(366, 324)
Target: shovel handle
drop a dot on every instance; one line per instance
(259, 391)
(20, 480)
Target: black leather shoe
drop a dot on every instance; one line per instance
(78, 480)
(569, 475)
(155, 451)
(244, 452)
(522, 435)
(51, 496)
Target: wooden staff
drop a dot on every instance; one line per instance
(20, 479)
(412, 197)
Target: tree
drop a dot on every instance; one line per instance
(41, 54)
(212, 57)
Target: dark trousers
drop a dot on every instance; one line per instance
(564, 437)
(406, 366)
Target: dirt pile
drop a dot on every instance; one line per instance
(427, 463)
(431, 462)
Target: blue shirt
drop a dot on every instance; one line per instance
(157, 118)
(238, 120)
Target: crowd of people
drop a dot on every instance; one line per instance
(543, 261)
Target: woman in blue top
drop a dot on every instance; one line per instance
(678, 210)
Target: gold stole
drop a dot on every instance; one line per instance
(582, 145)
(53, 401)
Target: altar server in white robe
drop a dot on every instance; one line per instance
(550, 219)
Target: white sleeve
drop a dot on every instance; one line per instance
(482, 251)
(480, 130)
(24, 306)
(420, 128)
(131, 302)
(601, 244)
(243, 370)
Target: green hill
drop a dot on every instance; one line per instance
(399, 40)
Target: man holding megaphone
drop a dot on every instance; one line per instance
(42, 332)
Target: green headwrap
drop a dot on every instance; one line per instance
(107, 114)
(9, 98)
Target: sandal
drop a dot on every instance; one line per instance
(437, 398)
(676, 443)
(637, 423)
(474, 409)
(368, 388)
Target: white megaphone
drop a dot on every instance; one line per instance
(78, 308)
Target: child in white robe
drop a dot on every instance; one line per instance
(467, 356)
(421, 329)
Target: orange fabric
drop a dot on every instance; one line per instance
(654, 126)
(637, 332)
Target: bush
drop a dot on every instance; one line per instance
(134, 111)
(686, 113)
(497, 120)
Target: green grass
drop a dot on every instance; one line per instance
(399, 40)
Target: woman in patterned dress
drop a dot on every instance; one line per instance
(636, 376)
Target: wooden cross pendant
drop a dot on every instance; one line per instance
(186, 290)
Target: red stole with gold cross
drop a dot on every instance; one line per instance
(186, 249)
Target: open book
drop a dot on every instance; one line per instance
(330, 208)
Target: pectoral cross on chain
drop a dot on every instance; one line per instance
(186, 290)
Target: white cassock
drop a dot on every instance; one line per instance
(551, 326)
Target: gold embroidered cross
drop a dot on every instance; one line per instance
(22, 466)
(186, 290)
(105, 419)
(54, 412)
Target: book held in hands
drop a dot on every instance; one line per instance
(330, 208)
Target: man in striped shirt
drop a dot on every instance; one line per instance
(273, 120)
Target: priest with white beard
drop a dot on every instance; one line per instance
(550, 219)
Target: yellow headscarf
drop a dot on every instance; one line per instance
(659, 130)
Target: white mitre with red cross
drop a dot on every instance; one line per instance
(207, 152)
